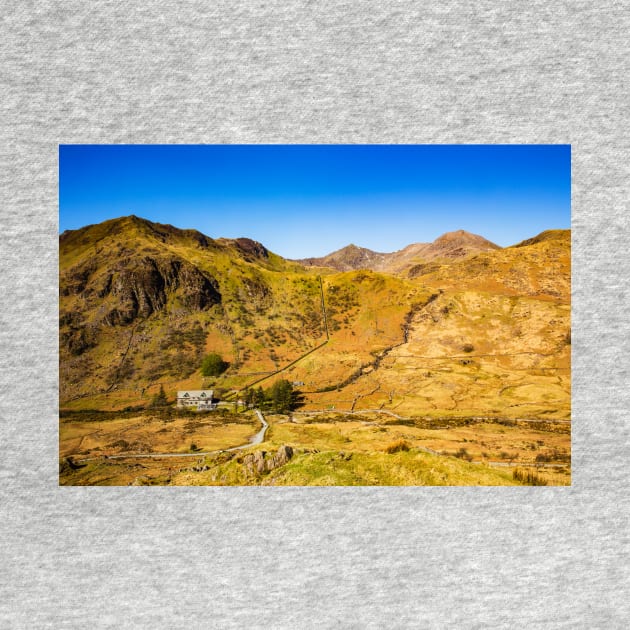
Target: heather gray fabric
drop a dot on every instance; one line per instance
(313, 72)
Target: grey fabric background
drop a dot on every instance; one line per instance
(313, 72)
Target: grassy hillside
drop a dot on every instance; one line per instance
(462, 348)
(339, 468)
(142, 303)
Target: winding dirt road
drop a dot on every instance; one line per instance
(257, 439)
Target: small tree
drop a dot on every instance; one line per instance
(280, 395)
(160, 400)
(258, 397)
(213, 365)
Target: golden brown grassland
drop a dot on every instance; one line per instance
(329, 450)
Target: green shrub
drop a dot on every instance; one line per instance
(213, 365)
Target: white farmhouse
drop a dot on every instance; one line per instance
(199, 398)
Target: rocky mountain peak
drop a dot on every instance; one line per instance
(348, 258)
(458, 244)
(252, 248)
(462, 237)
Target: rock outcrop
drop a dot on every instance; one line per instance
(251, 249)
(261, 462)
(139, 288)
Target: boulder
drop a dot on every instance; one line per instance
(282, 457)
(254, 463)
(257, 464)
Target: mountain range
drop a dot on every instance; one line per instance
(458, 326)
(449, 246)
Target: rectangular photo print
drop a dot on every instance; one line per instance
(297, 315)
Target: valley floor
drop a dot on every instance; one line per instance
(125, 448)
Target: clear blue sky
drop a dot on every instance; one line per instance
(308, 200)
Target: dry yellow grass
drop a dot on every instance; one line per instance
(483, 442)
(335, 468)
(147, 433)
(364, 438)
(397, 446)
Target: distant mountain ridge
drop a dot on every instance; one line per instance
(450, 246)
(348, 258)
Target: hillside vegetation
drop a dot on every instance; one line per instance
(459, 328)
(141, 305)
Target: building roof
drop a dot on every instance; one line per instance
(195, 393)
